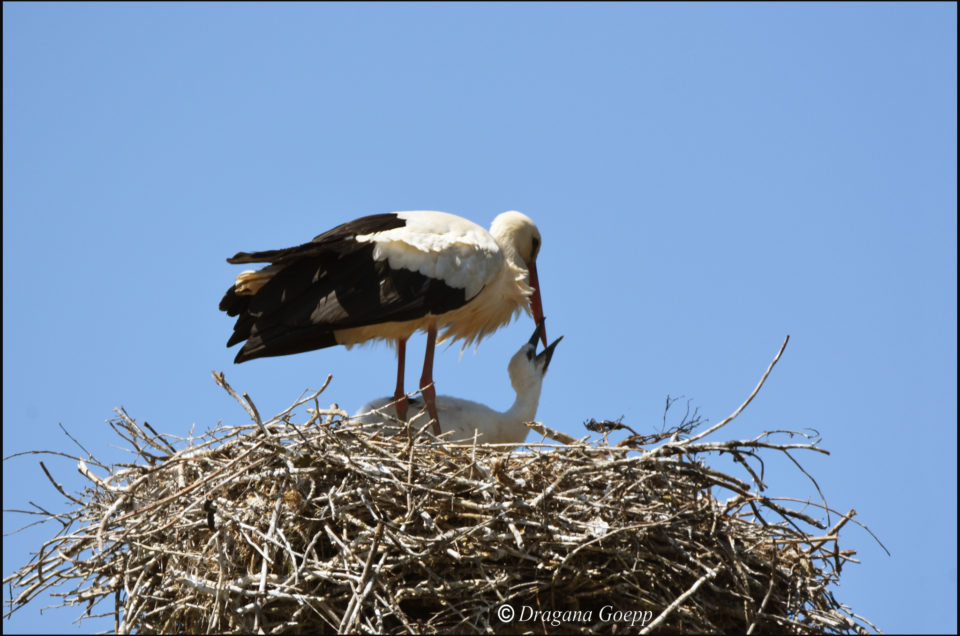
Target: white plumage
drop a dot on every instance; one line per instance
(464, 418)
(443, 246)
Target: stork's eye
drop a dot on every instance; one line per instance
(529, 354)
(535, 246)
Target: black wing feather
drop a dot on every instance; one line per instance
(331, 283)
(340, 239)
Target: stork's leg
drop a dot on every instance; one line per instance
(399, 397)
(426, 380)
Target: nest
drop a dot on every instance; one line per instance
(322, 526)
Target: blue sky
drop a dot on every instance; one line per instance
(707, 178)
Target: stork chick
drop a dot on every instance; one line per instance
(462, 418)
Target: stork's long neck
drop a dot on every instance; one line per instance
(524, 408)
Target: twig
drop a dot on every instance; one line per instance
(221, 380)
(749, 399)
(679, 600)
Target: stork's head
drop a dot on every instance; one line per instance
(516, 232)
(527, 367)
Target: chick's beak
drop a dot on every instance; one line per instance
(547, 353)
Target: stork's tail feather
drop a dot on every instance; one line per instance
(280, 343)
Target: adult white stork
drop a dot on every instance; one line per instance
(386, 276)
(464, 418)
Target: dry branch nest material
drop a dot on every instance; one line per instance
(321, 526)
(324, 527)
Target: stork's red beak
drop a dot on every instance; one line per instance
(536, 304)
